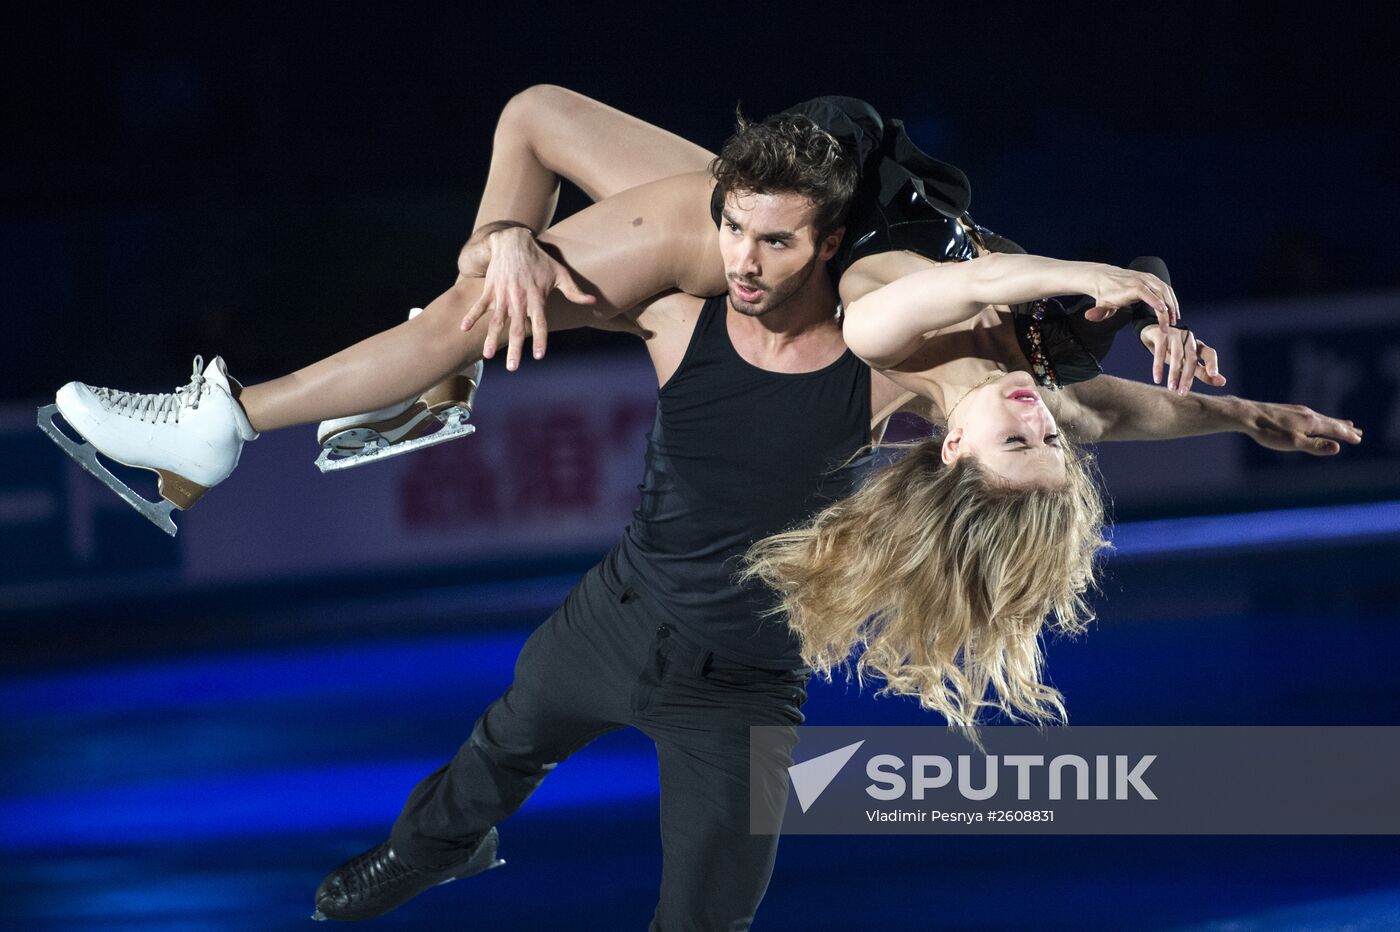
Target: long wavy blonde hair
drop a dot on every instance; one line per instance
(942, 578)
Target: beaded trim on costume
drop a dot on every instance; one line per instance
(1041, 367)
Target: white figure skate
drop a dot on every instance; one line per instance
(190, 438)
(438, 415)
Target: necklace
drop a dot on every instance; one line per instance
(986, 381)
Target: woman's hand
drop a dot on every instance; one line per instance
(1113, 288)
(1184, 358)
(519, 277)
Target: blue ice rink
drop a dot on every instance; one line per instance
(200, 761)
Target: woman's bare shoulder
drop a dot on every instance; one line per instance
(875, 271)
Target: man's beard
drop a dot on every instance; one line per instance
(778, 295)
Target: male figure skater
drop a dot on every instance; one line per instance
(760, 406)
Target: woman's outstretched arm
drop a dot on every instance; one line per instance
(886, 326)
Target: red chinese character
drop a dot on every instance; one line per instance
(555, 463)
(449, 486)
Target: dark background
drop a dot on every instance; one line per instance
(272, 183)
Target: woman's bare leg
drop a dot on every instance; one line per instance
(547, 133)
(544, 134)
(627, 248)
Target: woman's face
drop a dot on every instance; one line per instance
(1006, 425)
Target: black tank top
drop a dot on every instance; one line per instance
(738, 453)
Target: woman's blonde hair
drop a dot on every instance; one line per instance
(943, 577)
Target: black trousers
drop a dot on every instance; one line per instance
(607, 659)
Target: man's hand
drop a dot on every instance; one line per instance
(1113, 288)
(519, 277)
(1298, 428)
(1184, 358)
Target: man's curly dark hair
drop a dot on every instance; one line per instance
(788, 154)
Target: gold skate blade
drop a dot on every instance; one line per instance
(450, 431)
(85, 455)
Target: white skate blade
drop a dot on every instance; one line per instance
(380, 450)
(158, 513)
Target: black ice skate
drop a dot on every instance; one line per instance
(377, 881)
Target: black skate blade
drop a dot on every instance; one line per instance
(85, 455)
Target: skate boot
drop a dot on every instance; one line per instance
(438, 415)
(190, 437)
(377, 882)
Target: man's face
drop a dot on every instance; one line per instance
(770, 248)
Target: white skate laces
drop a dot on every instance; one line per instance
(161, 407)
